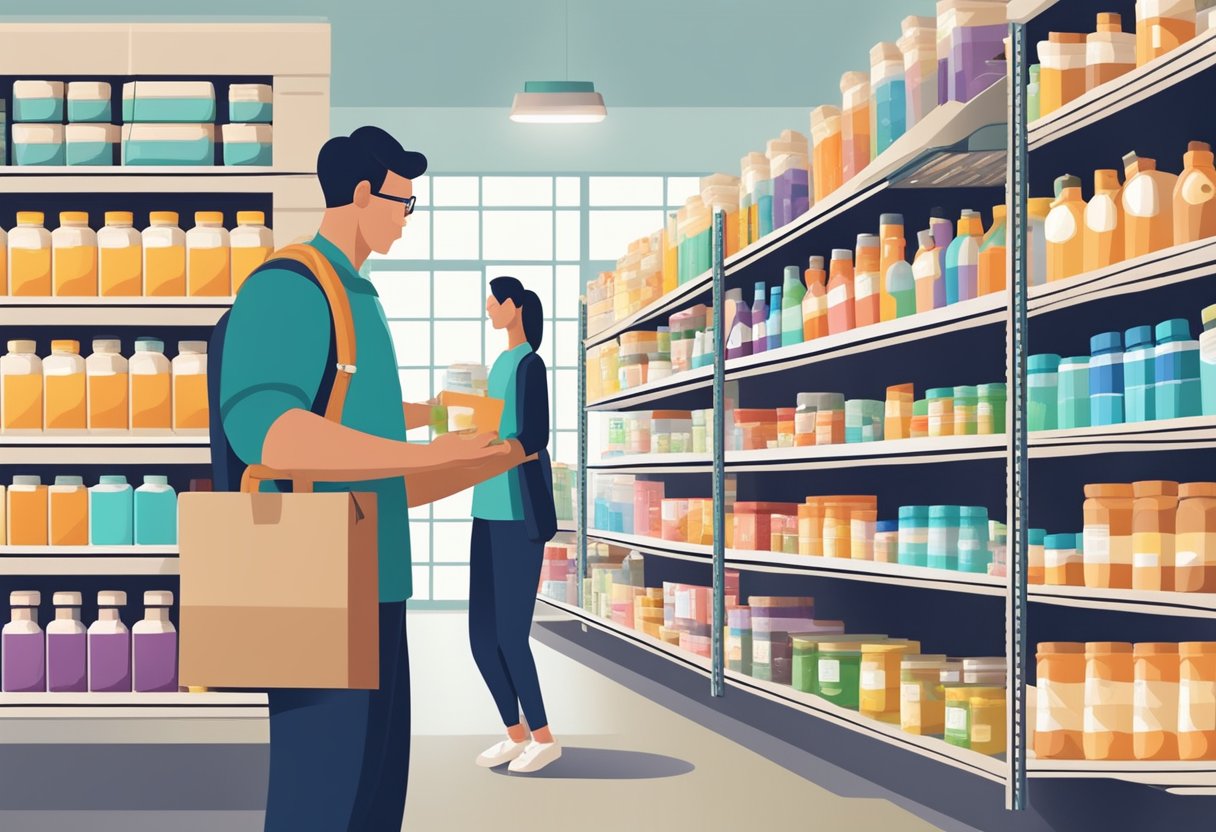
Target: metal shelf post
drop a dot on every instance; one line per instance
(718, 679)
(581, 486)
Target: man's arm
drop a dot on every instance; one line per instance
(312, 447)
(425, 488)
(417, 415)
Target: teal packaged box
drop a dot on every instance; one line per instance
(168, 144)
(247, 144)
(250, 103)
(89, 102)
(38, 144)
(168, 102)
(91, 144)
(38, 101)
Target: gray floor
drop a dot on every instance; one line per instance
(629, 761)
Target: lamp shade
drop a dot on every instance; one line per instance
(558, 102)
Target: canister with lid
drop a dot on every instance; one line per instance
(1195, 538)
(1197, 700)
(913, 546)
(922, 708)
(1107, 535)
(886, 541)
(1139, 399)
(1155, 701)
(966, 407)
(1062, 565)
(990, 412)
(943, 537)
(1061, 701)
(1107, 721)
(941, 411)
(1176, 385)
(1106, 379)
(988, 720)
(839, 673)
(1154, 522)
(1073, 401)
(973, 552)
(880, 678)
(1043, 381)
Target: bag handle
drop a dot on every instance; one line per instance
(344, 348)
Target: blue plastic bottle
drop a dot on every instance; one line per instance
(1139, 402)
(774, 317)
(759, 320)
(155, 513)
(1176, 385)
(1106, 379)
(111, 512)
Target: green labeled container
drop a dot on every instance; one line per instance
(806, 656)
(839, 674)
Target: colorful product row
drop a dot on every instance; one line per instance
(67, 513)
(1128, 377)
(1154, 535)
(119, 261)
(157, 102)
(1118, 701)
(1149, 211)
(103, 145)
(105, 392)
(105, 658)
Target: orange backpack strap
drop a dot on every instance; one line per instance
(344, 348)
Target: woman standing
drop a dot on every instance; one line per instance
(513, 518)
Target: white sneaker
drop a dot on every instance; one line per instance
(535, 757)
(501, 752)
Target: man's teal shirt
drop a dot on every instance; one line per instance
(275, 353)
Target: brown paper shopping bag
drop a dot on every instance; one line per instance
(279, 590)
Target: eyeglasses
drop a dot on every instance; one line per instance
(407, 201)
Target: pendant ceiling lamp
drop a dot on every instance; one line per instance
(559, 102)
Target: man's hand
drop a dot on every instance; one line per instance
(470, 447)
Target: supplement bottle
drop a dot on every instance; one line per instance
(1034, 94)
(1109, 51)
(1155, 703)
(815, 301)
(1148, 207)
(867, 283)
(889, 115)
(1043, 385)
(919, 47)
(927, 274)
(252, 244)
(759, 319)
(1062, 70)
(914, 535)
(1176, 386)
(855, 123)
(66, 647)
(992, 254)
(1062, 564)
(1037, 210)
(879, 689)
(842, 315)
(27, 512)
(155, 512)
(1197, 700)
(151, 387)
(208, 269)
(1061, 701)
(988, 725)
(164, 248)
(827, 151)
(1064, 231)
(1106, 379)
(1195, 539)
(943, 537)
(1073, 402)
(108, 381)
(1103, 239)
(68, 512)
(1154, 521)
(110, 646)
(922, 699)
(1139, 379)
(74, 256)
(1162, 26)
(22, 647)
(943, 236)
(190, 387)
(1108, 535)
(29, 257)
(893, 242)
(1109, 683)
(21, 388)
(941, 411)
(1195, 196)
(111, 512)
(155, 646)
(120, 257)
(64, 394)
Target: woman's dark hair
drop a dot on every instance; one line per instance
(528, 302)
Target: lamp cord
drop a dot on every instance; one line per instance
(567, 40)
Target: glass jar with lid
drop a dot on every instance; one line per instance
(1108, 535)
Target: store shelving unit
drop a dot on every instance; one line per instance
(295, 57)
(1050, 465)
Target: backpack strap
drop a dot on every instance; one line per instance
(344, 350)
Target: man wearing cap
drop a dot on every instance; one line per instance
(339, 759)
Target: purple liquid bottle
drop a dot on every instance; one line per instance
(66, 647)
(155, 640)
(23, 650)
(110, 646)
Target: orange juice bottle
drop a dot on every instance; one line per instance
(891, 235)
(107, 377)
(842, 314)
(1162, 26)
(190, 387)
(1195, 196)
(855, 123)
(64, 388)
(252, 243)
(68, 512)
(815, 301)
(1064, 233)
(151, 386)
(827, 153)
(21, 388)
(164, 247)
(74, 256)
(27, 512)
(867, 280)
(120, 271)
(1104, 222)
(208, 264)
(29, 257)
(1148, 207)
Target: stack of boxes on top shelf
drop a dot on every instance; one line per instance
(162, 123)
(950, 58)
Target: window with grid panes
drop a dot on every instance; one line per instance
(551, 232)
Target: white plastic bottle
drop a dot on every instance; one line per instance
(21, 388)
(119, 256)
(252, 244)
(29, 257)
(164, 247)
(106, 372)
(190, 411)
(208, 268)
(74, 256)
(151, 386)
(63, 399)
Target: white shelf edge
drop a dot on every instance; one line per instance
(1182, 773)
(653, 463)
(193, 171)
(98, 565)
(1133, 437)
(673, 385)
(117, 302)
(115, 440)
(1023, 11)
(1115, 96)
(89, 551)
(887, 452)
(124, 701)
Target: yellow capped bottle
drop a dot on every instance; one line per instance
(74, 256)
(208, 268)
(164, 256)
(63, 396)
(108, 395)
(151, 386)
(252, 243)
(29, 257)
(119, 257)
